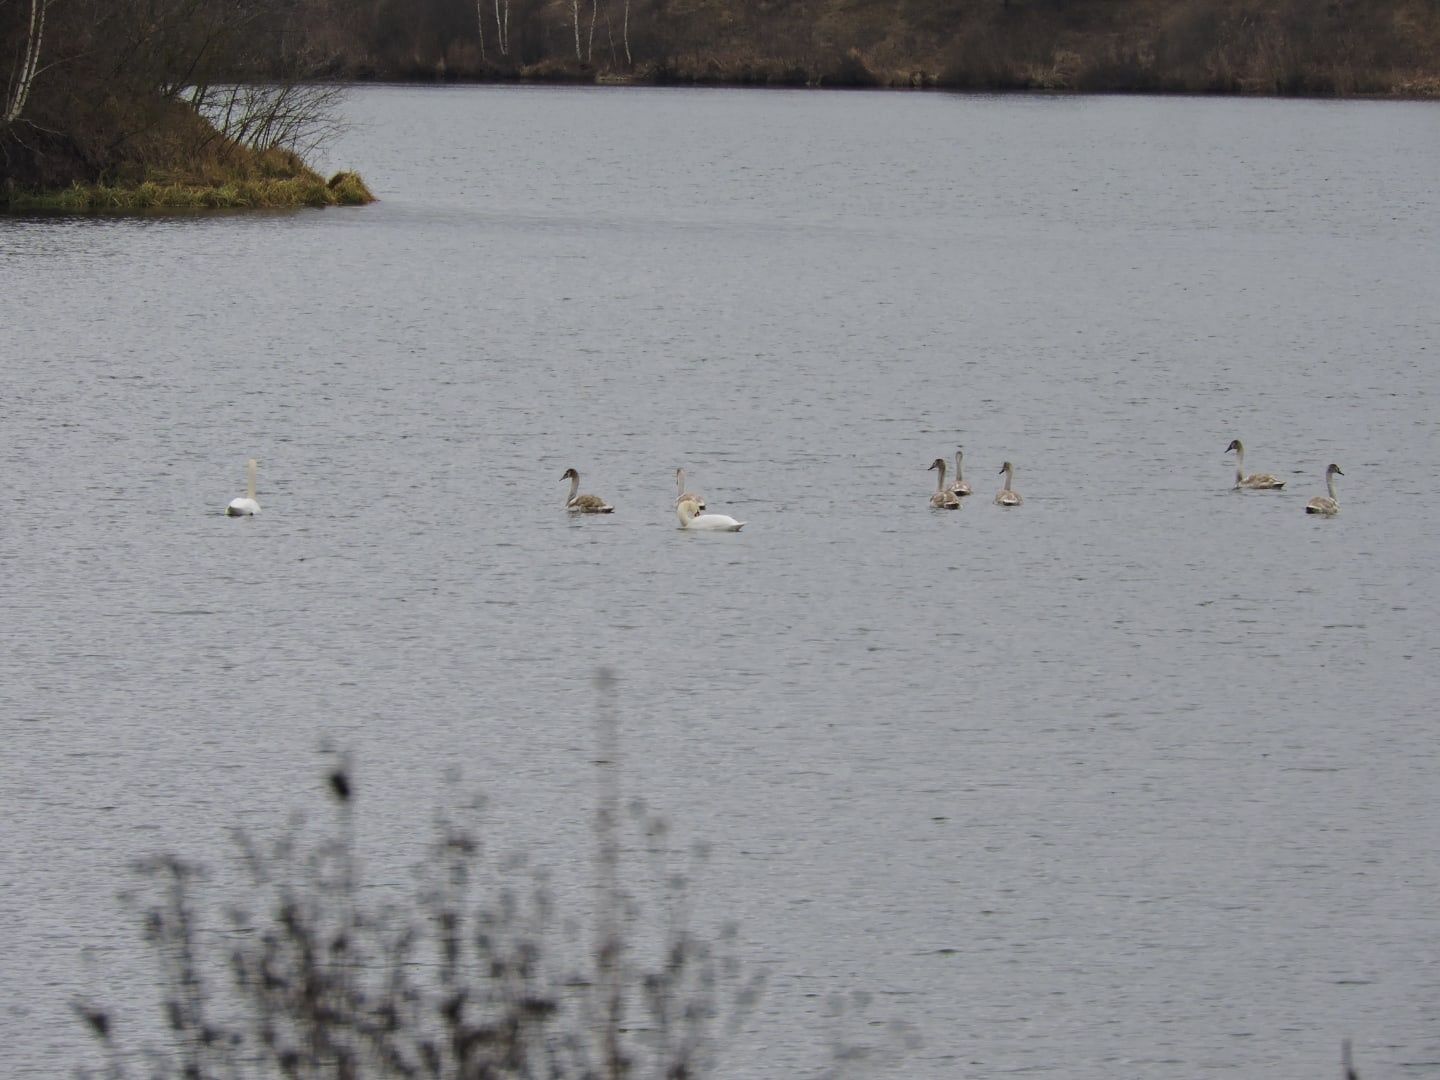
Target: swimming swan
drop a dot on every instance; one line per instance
(959, 487)
(687, 511)
(1326, 504)
(944, 498)
(246, 506)
(1258, 481)
(698, 500)
(1007, 497)
(583, 504)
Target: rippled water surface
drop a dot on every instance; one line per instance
(1135, 780)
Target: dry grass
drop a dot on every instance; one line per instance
(344, 189)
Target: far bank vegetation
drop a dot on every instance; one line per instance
(1272, 47)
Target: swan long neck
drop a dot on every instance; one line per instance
(1239, 461)
(940, 483)
(1330, 484)
(958, 474)
(1009, 475)
(250, 479)
(574, 487)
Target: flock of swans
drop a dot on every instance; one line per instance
(689, 506)
(1327, 505)
(948, 496)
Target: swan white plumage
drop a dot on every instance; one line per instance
(1255, 481)
(690, 518)
(959, 487)
(583, 504)
(698, 500)
(1326, 504)
(944, 498)
(247, 505)
(1007, 496)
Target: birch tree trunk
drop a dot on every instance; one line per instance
(20, 91)
(575, 14)
(502, 25)
(590, 44)
(625, 35)
(480, 27)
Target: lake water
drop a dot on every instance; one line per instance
(1138, 779)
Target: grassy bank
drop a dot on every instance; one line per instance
(343, 189)
(240, 179)
(156, 156)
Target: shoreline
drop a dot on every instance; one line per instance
(300, 187)
(284, 193)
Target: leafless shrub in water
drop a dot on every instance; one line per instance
(470, 975)
(460, 978)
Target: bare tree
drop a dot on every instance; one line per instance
(502, 25)
(18, 92)
(133, 66)
(300, 117)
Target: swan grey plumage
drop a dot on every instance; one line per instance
(1007, 496)
(698, 500)
(1255, 481)
(583, 504)
(944, 498)
(246, 506)
(691, 518)
(959, 487)
(1326, 504)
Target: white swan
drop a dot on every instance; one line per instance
(1326, 504)
(944, 498)
(687, 511)
(583, 504)
(1006, 496)
(246, 506)
(1257, 481)
(698, 500)
(959, 487)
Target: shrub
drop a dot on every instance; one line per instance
(458, 980)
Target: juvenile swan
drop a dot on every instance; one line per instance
(1326, 504)
(698, 500)
(959, 487)
(246, 506)
(1259, 481)
(687, 511)
(1005, 496)
(944, 498)
(583, 504)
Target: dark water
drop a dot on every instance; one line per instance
(1135, 780)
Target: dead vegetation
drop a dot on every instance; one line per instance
(1309, 47)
